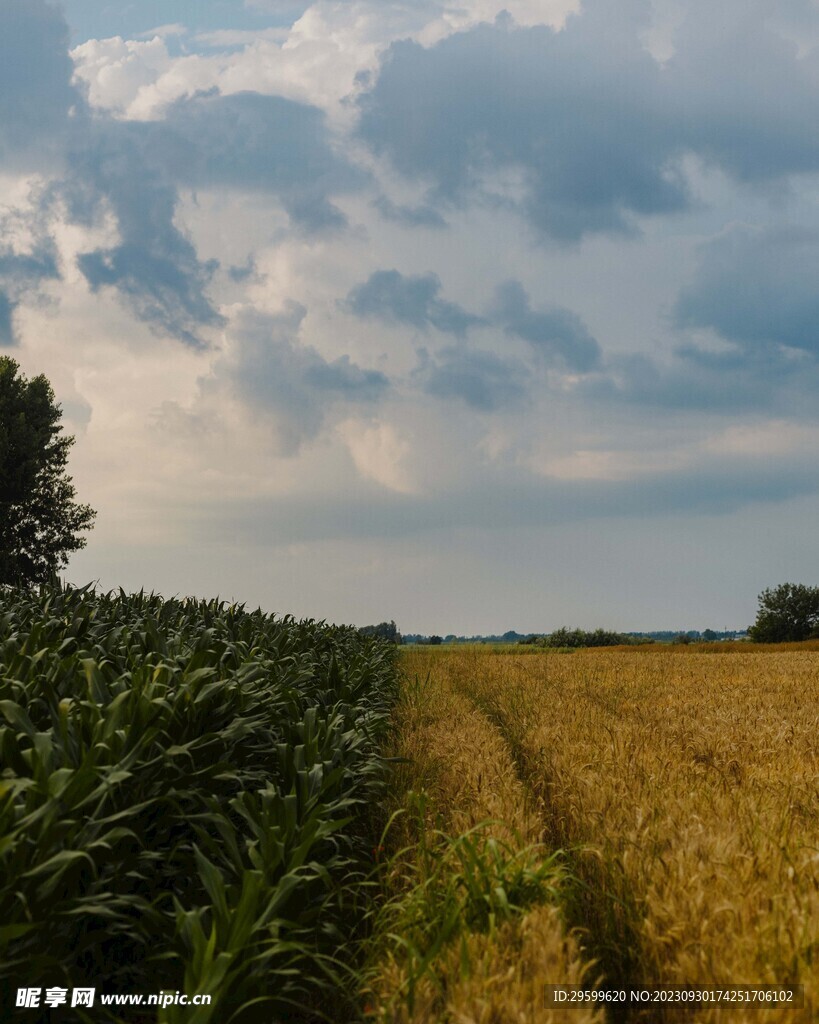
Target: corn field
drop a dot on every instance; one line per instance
(667, 802)
(185, 801)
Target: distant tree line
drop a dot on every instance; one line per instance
(509, 637)
(564, 637)
(788, 612)
(573, 638)
(384, 631)
(683, 636)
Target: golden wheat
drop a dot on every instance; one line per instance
(686, 790)
(463, 766)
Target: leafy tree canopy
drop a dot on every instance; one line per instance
(40, 522)
(787, 612)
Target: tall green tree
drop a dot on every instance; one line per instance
(40, 522)
(787, 612)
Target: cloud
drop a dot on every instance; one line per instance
(245, 142)
(739, 94)
(113, 71)
(28, 257)
(6, 324)
(592, 129)
(572, 111)
(105, 166)
(750, 318)
(343, 379)
(423, 216)
(248, 271)
(516, 500)
(275, 375)
(413, 300)
(748, 322)
(757, 288)
(482, 380)
(134, 171)
(22, 268)
(317, 60)
(556, 334)
(690, 381)
(264, 144)
(36, 93)
(379, 454)
(165, 31)
(155, 267)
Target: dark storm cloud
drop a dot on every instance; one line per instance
(593, 124)
(777, 381)
(262, 143)
(754, 292)
(154, 266)
(574, 110)
(738, 92)
(6, 322)
(343, 379)
(694, 380)
(275, 374)
(423, 216)
(36, 97)
(556, 334)
(36, 93)
(26, 267)
(484, 381)
(391, 296)
(757, 287)
(246, 272)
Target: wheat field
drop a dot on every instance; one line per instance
(677, 795)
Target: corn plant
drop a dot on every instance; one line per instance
(184, 791)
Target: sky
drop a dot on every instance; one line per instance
(476, 315)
